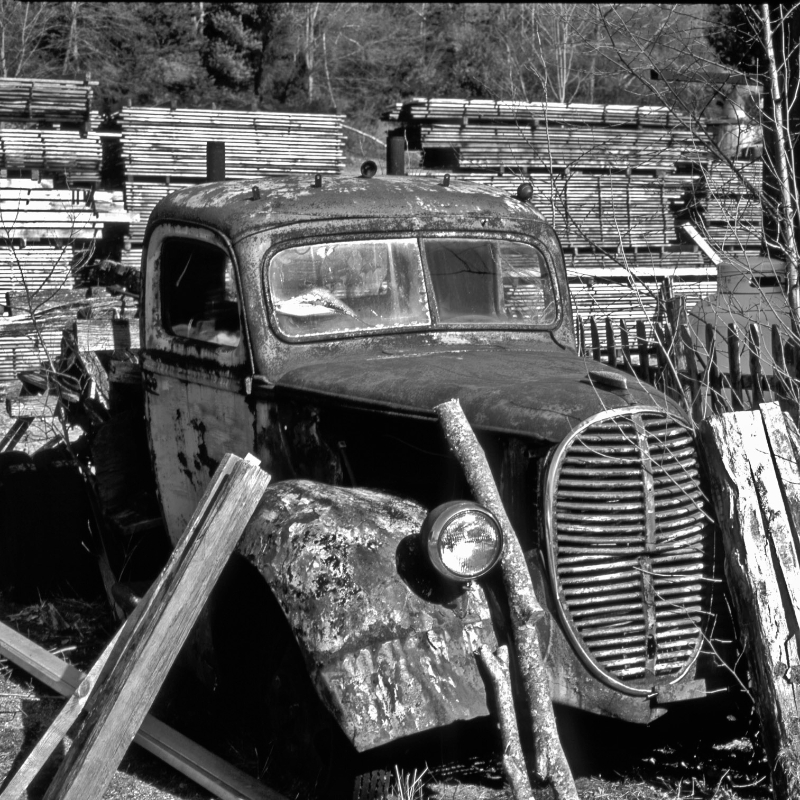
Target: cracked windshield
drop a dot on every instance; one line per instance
(350, 286)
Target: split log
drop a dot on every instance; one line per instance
(550, 761)
(496, 665)
(764, 587)
(120, 701)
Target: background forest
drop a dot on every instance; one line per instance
(358, 58)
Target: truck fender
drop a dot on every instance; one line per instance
(388, 660)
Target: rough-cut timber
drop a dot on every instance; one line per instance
(211, 772)
(761, 564)
(551, 762)
(117, 707)
(58, 729)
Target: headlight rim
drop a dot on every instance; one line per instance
(436, 522)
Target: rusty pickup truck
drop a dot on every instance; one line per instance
(316, 324)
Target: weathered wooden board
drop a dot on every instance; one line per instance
(105, 335)
(118, 705)
(211, 772)
(785, 458)
(753, 528)
(58, 729)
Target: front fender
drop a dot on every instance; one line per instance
(386, 661)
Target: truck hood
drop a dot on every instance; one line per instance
(540, 394)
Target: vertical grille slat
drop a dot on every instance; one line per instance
(630, 545)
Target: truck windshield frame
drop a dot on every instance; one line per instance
(366, 285)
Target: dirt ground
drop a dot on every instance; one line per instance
(694, 756)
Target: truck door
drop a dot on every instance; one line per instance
(194, 364)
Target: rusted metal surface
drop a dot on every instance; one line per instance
(389, 646)
(536, 393)
(390, 656)
(236, 210)
(630, 547)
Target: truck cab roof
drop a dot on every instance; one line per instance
(240, 208)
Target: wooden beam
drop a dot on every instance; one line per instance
(780, 441)
(58, 729)
(211, 772)
(763, 603)
(120, 701)
(103, 334)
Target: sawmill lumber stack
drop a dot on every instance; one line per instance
(27, 100)
(72, 156)
(626, 284)
(53, 216)
(615, 181)
(547, 112)
(162, 150)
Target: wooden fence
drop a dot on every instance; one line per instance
(671, 357)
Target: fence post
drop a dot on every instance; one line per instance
(734, 368)
(712, 376)
(625, 345)
(663, 377)
(611, 343)
(691, 384)
(665, 293)
(781, 379)
(580, 336)
(644, 352)
(752, 339)
(596, 352)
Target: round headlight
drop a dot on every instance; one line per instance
(463, 540)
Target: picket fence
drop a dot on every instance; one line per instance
(670, 357)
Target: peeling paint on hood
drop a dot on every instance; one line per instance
(542, 394)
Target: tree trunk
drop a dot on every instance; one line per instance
(550, 761)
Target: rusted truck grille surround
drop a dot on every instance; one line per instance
(630, 546)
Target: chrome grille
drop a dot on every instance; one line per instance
(629, 541)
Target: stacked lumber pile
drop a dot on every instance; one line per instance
(627, 285)
(42, 228)
(725, 205)
(32, 334)
(163, 150)
(51, 214)
(518, 147)
(38, 266)
(596, 210)
(27, 100)
(70, 156)
(159, 142)
(420, 108)
(33, 209)
(609, 178)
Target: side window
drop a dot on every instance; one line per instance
(198, 290)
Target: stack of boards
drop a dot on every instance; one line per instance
(162, 150)
(50, 211)
(615, 181)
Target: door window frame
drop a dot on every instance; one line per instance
(156, 336)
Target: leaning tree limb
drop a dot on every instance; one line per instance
(496, 665)
(550, 761)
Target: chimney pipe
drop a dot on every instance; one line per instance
(215, 161)
(396, 153)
